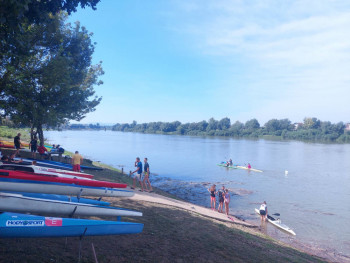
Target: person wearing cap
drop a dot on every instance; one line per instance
(77, 160)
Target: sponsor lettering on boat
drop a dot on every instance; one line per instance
(25, 223)
(52, 221)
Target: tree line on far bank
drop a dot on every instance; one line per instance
(311, 129)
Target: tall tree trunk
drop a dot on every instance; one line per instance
(39, 131)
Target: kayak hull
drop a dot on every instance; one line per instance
(64, 198)
(43, 171)
(278, 224)
(22, 204)
(66, 165)
(249, 169)
(44, 178)
(13, 225)
(8, 184)
(224, 165)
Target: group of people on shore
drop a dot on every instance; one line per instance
(76, 160)
(137, 175)
(224, 198)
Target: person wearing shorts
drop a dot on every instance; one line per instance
(17, 143)
(137, 174)
(33, 146)
(263, 211)
(212, 191)
(227, 201)
(221, 193)
(146, 176)
(77, 159)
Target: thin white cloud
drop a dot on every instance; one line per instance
(298, 51)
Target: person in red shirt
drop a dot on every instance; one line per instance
(42, 151)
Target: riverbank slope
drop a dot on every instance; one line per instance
(175, 231)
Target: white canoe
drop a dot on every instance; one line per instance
(19, 185)
(18, 203)
(277, 223)
(249, 169)
(39, 170)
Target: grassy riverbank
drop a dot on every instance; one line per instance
(8, 134)
(170, 234)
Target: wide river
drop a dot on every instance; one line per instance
(313, 198)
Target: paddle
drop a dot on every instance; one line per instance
(276, 214)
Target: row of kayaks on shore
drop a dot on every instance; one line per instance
(223, 164)
(45, 189)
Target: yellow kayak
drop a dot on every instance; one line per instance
(12, 144)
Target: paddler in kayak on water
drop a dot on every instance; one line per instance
(263, 211)
(249, 166)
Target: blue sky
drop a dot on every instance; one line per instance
(196, 59)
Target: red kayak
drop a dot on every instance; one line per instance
(56, 179)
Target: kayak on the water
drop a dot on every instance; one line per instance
(13, 225)
(223, 164)
(249, 169)
(277, 223)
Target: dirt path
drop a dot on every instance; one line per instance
(159, 199)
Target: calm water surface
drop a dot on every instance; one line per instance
(313, 199)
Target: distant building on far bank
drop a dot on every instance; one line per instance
(297, 125)
(347, 127)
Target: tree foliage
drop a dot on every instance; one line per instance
(51, 82)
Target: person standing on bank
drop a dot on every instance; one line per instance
(227, 199)
(263, 211)
(17, 143)
(212, 191)
(221, 194)
(146, 176)
(138, 174)
(33, 146)
(77, 160)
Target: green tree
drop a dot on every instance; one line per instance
(212, 124)
(252, 124)
(15, 18)
(272, 125)
(311, 123)
(236, 128)
(53, 82)
(224, 124)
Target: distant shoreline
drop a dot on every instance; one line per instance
(261, 137)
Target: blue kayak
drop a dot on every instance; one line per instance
(68, 165)
(64, 198)
(13, 225)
